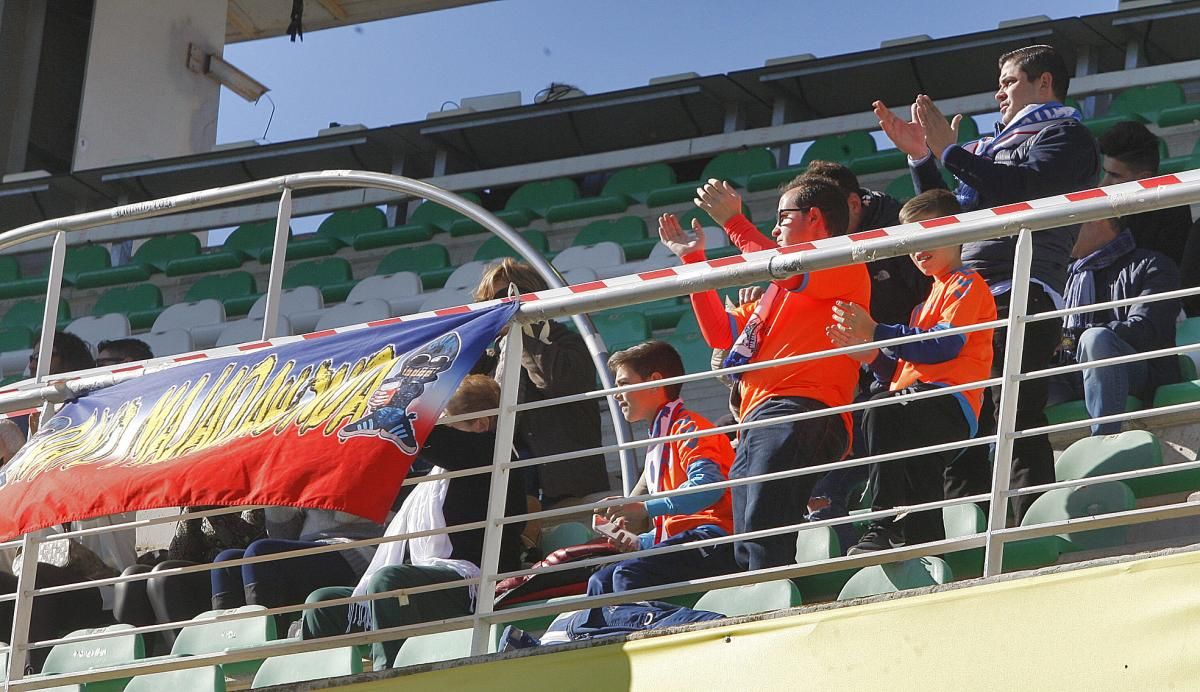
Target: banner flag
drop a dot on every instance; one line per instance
(327, 423)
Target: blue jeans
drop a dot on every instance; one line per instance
(1105, 389)
(639, 572)
(278, 582)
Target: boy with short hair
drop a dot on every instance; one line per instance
(671, 465)
(958, 297)
(789, 320)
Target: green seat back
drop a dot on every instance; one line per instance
(817, 544)
(1187, 332)
(126, 299)
(496, 247)
(215, 637)
(324, 272)
(344, 224)
(222, 286)
(896, 576)
(902, 187)
(85, 258)
(252, 238)
(204, 679)
(1101, 455)
(414, 259)
(540, 195)
(1083, 501)
(10, 269)
(627, 229)
(967, 129)
(564, 535)
(636, 182)
(438, 216)
(1148, 100)
(621, 327)
(963, 520)
(739, 165)
(311, 665)
(841, 148)
(735, 601)
(695, 352)
(96, 653)
(159, 250)
(15, 338)
(432, 648)
(28, 314)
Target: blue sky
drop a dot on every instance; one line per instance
(398, 70)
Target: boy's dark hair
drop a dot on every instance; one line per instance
(496, 279)
(838, 173)
(649, 358)
(824, 194)
(1037, 60)
(131, 349)
(1132, 144)
(73, 353)
(930, 204)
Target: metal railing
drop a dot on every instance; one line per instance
(1030, 217)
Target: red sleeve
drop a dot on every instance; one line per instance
(710, 313)
(746, 235)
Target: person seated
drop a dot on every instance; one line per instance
(671, 465)
(959, 297)
(1109, 266)
(117, 351)
(1131, 152)
(438, 558)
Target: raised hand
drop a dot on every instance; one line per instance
(749, 294)
(841, 339)
(719, 200)
(854, 320)
(939, 134)
(671, 234)
(909, 137)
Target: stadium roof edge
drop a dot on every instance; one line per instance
(250, 20)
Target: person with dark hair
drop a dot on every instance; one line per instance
(1040, 149)
(69, 353)
(788, 320)
(674, 465)
(555, 362)
(959, 298)
(117, 351)
(1131, 152)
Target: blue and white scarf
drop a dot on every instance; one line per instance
(1081, 277)
(1028, 122)
(660, 456)
(755, 331)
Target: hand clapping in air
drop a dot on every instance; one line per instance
(671, 234)
(928, 131)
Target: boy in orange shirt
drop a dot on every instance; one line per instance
(958, 298)
(789, 320)
(673, 465)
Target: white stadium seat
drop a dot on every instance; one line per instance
(401, 290)
(168, 343)
(348, 313)
(202, 319)
(249, 330)
(599, 257)
(301, 305)
(93, 329)
(446, 298)
(467, 276)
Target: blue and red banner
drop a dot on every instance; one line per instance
(328, 423)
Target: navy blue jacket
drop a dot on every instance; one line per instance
(1062, 158)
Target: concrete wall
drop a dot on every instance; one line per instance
(140, 102)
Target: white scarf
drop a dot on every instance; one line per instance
(659, 456)
(749, 341)
(421, 511)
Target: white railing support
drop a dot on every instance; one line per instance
(283, 222)
(23, 609)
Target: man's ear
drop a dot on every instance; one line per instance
(816, 219)
(1045, 82)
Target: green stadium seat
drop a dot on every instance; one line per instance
(247, 241)
(85, 655)
(968, 130)
(621, 327)
(434, 648)
(1069, 503)
(141, 303)
(770, 180)
(311, 665)
(496, 247)
(1071, 411)
(1128, 451)
(628, 231)
(332, 276)
(528, 202)
(564, 535)
(203, 679)
(16, 338)
(814, 545)
(436, 216)
(1147, 101)
(734, 166)
(695, 352)
(842, 148)
(10, 269)
(151, 257)
(84, 258)
(736, 601)
(396, 235)
(886, 160)
(1187, 368)
(625, 186)
(1184, 114)
(339, 229)
(665, 313)
(430, 262)
(1187, 332)
(217, 637)
(959, 521)
(28, 314)
(902, 187)
(897, 576)
(236, 291)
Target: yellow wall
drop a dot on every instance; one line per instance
(1130, 626)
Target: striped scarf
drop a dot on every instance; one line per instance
(749, 341)
(1081, 277)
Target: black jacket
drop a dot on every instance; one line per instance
(1171, 232)
(1144, 326)
(897, 286)
(1062, 158)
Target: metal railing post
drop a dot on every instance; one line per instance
(493, 533)
(23, 609)
(283, 221)
(45, 348)
(1006, 416)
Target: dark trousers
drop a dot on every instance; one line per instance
(278, 582)
(388, 612)
(782, 502)
(1033, 459)
(915, 479)
(54, 615)
(654, 570)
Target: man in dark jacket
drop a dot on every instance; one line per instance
(1111, 267)
(1041, 150)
